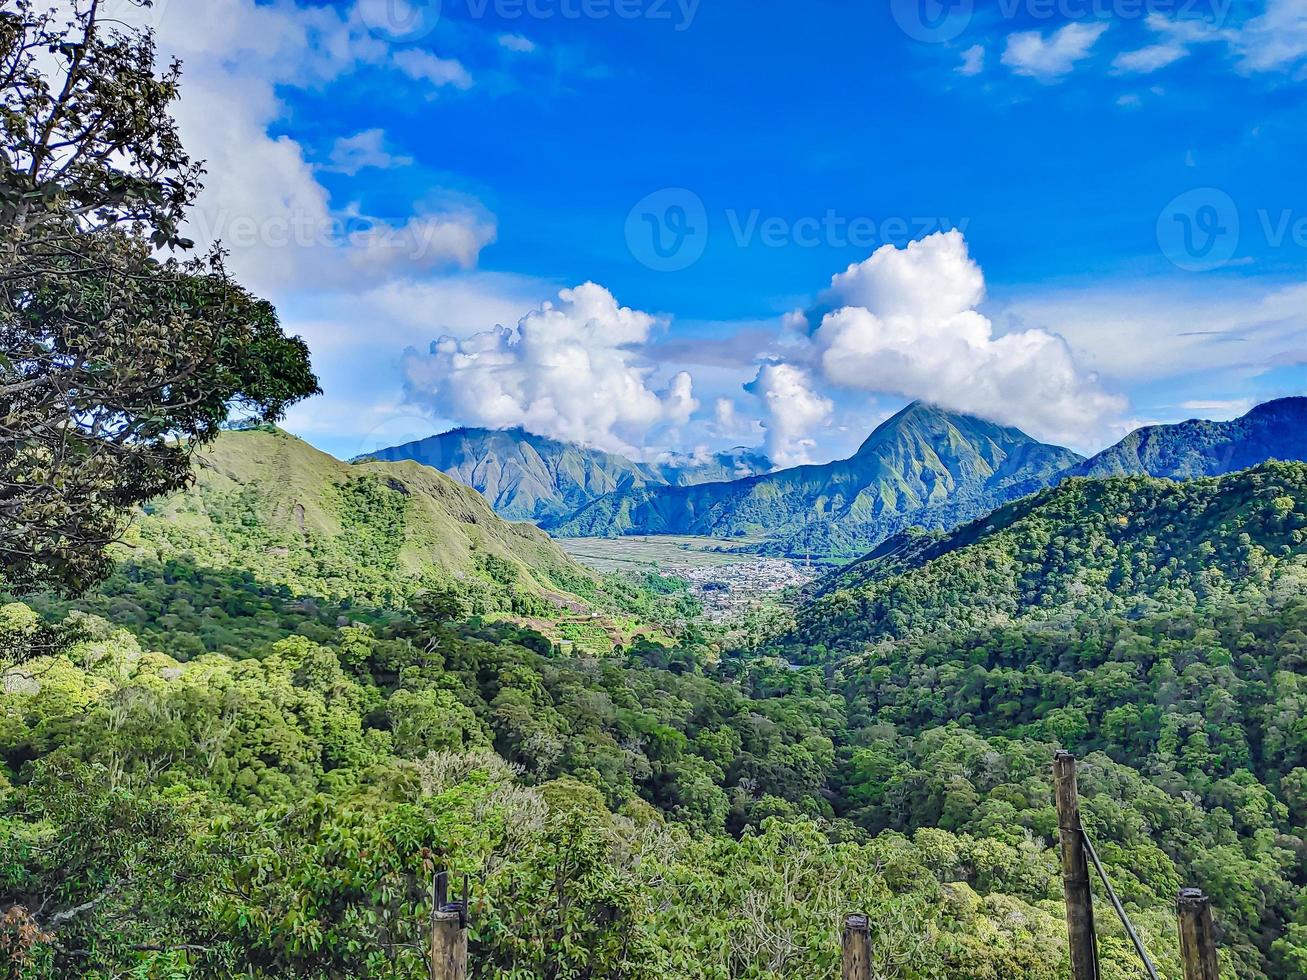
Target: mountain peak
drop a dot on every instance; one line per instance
(924, 418)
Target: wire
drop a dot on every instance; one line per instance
(1120, 911)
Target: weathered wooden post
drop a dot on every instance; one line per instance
(1197, 936)
(448, 932)
(1075, 870)
(857, 948)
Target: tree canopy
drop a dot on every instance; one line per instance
(116, 359)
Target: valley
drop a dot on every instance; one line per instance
(722, 573)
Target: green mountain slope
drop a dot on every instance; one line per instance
(923, 466)
(1274, 430)
(271, 504)
(531, 477)
(1125, 546)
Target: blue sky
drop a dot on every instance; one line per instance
(1108, 201)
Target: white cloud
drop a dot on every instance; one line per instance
(793, 411)
(1178, 37)
(350, 154)
(262, 197)
(517, 43)
(422, 243)
(973, 60)
(1129, 101)
(1150, 330)
(1149, 59)
(1226, 408)
(909, 327)
(1048, 59)
(427, 67)
(1274, 40)
(725, 415)
(929, 279)
(572, 370)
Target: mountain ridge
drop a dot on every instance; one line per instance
(922, 465)
(526, 476)
(1200, 447)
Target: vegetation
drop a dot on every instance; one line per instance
(269, 504)
(281, 816)
(308, 684)
(275, 538)
(671, 809)
(1125, 547)
(114, 365)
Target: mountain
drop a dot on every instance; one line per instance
(923, 466)
(1121, 546)
(268, 503)
(1274, 430)
(535, 478)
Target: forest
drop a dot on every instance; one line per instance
(277, 807)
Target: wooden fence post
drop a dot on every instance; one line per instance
(1075, 870)
(448, 955)
(857, 948)
(1197, 936)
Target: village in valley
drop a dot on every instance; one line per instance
(728, 580)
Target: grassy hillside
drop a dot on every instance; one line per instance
(270, 504)
(924, 466)
(1126, 546)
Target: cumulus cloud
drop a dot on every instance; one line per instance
(906, 324)
(572, 369)
(793, 411)
(1049, 58)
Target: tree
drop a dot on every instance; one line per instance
(116, 363)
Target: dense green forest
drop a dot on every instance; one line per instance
(269, 798)
(1125, 546)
